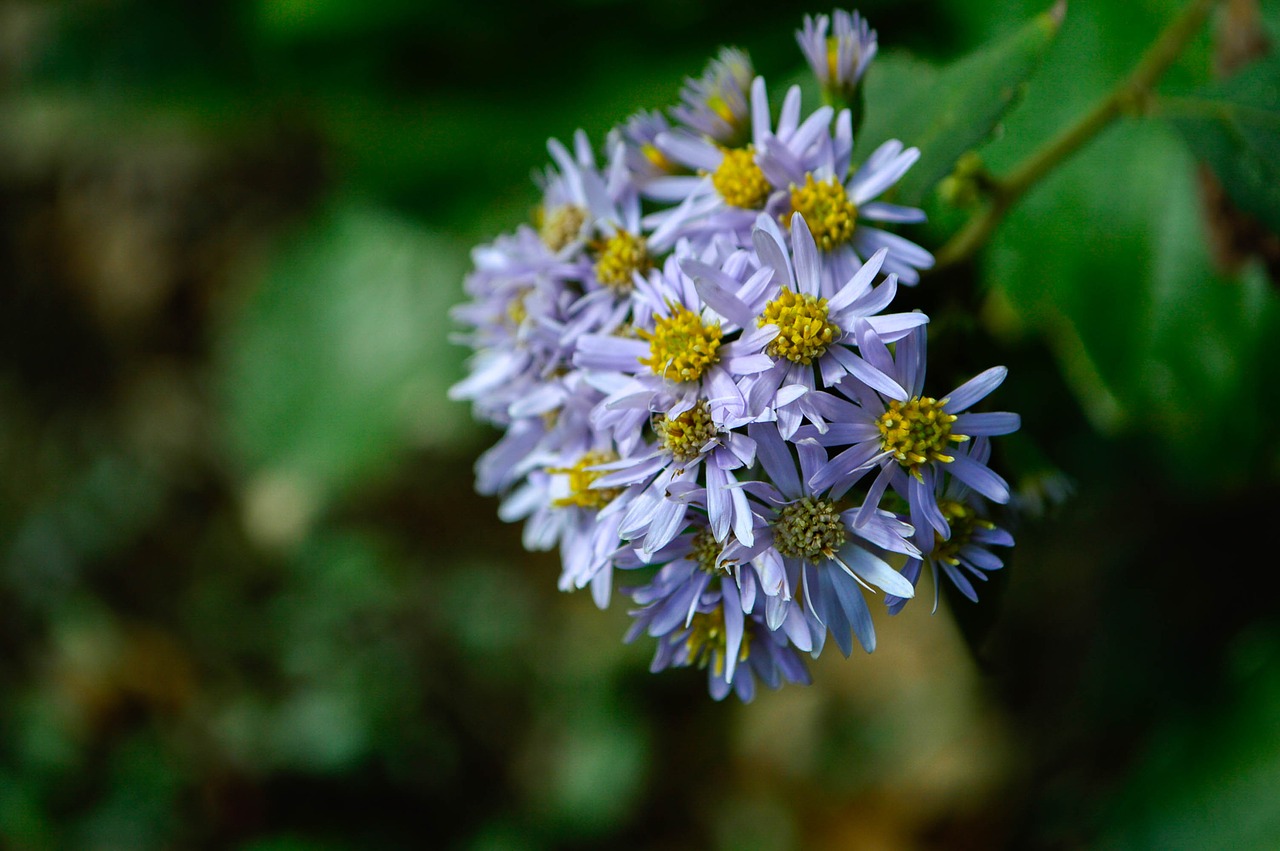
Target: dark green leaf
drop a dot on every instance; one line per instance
(1234, 127)
(342, 357)
(949, 111)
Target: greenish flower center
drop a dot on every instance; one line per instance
(705, 550)
(963, 520)
(809, 528)
(708, 641)
(685, 434)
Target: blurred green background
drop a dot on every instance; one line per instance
(248, 598)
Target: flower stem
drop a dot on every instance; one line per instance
(1129, 96)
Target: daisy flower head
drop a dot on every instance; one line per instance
(715, 104)
(813, 326)
(965, 554)
(908, 439)
(520, 297)
(736, 648)
(838, 59)
(733, 184)
(838, 201)
(679, 350)
(638, 137)
(809, 538)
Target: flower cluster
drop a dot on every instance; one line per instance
(692, 354)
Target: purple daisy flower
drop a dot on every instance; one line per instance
(678, 355)
(808, 538)
(562, 503)
(837, 202)
(966, 552)
(715, 104)
(689, 446)
(638, 136)
(907, 436)
(812, 330)
(734, 186)
(713, 633)
(838, 60)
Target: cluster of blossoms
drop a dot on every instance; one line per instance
(700, 383)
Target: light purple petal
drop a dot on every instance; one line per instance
(980, 478)
(976, 389)
(876, 571)
(986, 424)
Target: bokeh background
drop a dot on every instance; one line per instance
(248, 598)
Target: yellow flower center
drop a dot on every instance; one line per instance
(685, 435)
(810, 529)
(657, 158)
(917, 432)
(708, 640)
(833, 60)
(963, 520)
(681, 346)
(581, 493)
(562, 226)
(827, 211)
(739, 180)
(517, 311)
(804, 332)
(619, 257)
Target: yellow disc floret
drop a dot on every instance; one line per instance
(804, 332)
(809, 528)
(739, 180)
(562, 226)
(581, 478)
(708, 641)
(658, 159)
(517, 311)
(963, 520)
(681, 346)
(618, 258)
(685, 434)
(917, 432)
(827, 211)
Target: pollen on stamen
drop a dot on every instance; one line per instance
(618, 258)
(685, 434)
(517, 310)
(705, 550)
(681, 346)
(963, 520)
(658, 159)
(827, 211)
(581, 477)
(739, 180)
(708, 641)
(918, 431)
(562, 226)
(809, 528)
(804, 332)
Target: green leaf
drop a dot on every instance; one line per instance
(1234, 127)
(1210, 780)
(341, 359)
(953, 110)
